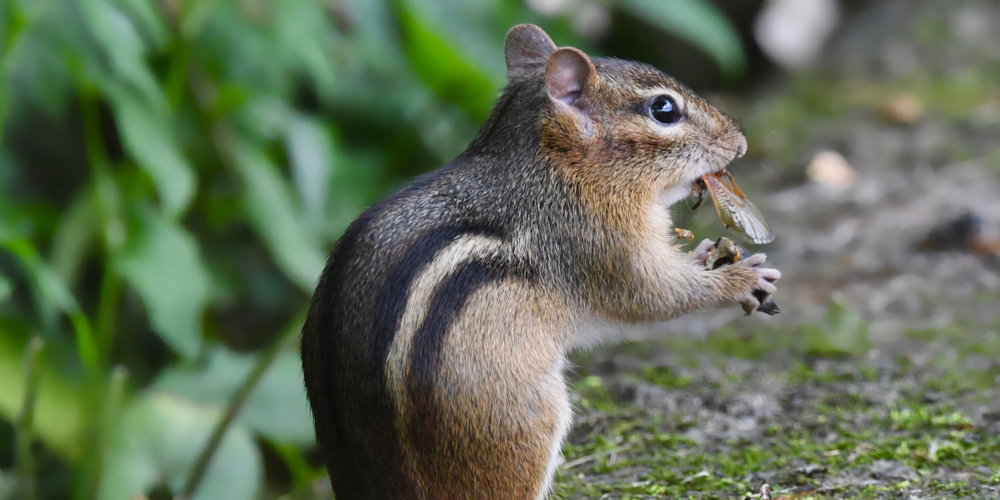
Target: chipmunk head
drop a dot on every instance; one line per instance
(621, 127)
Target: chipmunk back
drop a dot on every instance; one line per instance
(435, 345)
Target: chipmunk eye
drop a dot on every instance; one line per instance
(664, 110)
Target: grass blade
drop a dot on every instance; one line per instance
(25, 461)
(110, 416)
(219, 431)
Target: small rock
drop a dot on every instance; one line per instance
(765, 492)
(757, 405)
(650, 396)
(931, 397)
(904, 108)
(792, 32)
(887, 470)
(993, 429)
(811, 470)
(830, 168)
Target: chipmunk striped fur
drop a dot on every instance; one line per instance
(437, 337)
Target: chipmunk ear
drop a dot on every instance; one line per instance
(569, 75)
(527, 49)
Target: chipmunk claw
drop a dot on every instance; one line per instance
(759, 298)
(723, 252)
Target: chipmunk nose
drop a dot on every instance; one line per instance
(741, 146)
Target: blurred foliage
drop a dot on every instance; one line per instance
(172, 174)
(841, 333)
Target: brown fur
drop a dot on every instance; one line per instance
(619, 171)
(434, 348)
(502, 365)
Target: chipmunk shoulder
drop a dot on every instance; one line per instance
(436, 340)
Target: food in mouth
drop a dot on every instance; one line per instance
(735, 211)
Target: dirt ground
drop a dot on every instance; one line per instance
(879, 379)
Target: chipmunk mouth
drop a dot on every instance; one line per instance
(733, 207)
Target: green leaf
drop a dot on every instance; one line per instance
(277, 408)
(698, 22)
(271, 210)
(8, 485)
(311, 153)
(157, 442)
(148, 15)
(75, 236)
(267, 116)
(842, 333)
(456, 50)
(5, 288)
(49, 287)
(161, 261)
(124, 48)
(303, 32)
(150, 141)
(57, 421)
(194, 16)
(847, 330)
(52, 293)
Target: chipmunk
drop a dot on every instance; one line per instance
(436, 341)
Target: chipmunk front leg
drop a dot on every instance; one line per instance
(764, 287)
(673, 282)
(748, 282)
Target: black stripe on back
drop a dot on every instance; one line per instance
(446, 306)
(395, 293)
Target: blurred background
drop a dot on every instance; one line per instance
(173, 174)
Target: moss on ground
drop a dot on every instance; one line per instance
(832, 442)
(717, 418)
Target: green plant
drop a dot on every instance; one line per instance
(172, 174)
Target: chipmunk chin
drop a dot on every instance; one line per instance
(674, 194)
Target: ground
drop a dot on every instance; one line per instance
(880, 377)
(874, 428)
